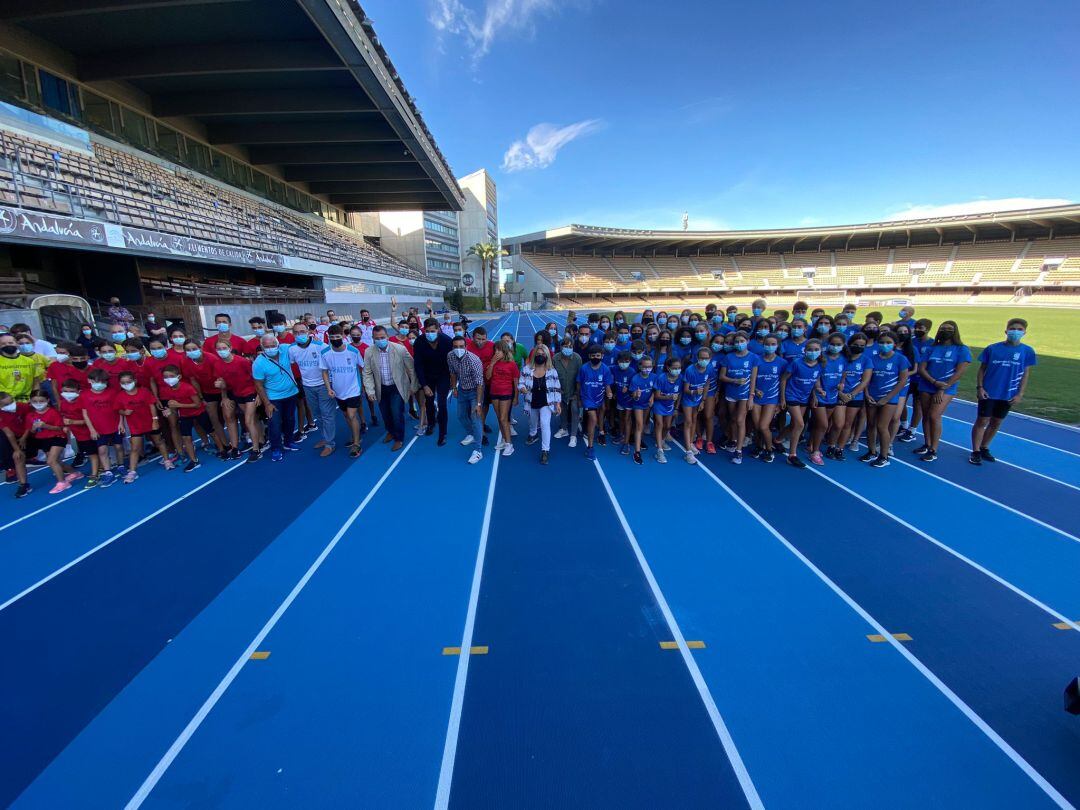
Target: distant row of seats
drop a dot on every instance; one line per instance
(118, 186)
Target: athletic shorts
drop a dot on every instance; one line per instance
(994, 408)
(211, 397)
(187, 423)
(86, 445)
(243, 400)
(592, 406)
(108, 440)
(854, 403)
(351, 402)
(801, 403)
(737, 399)
(146, 434)
(34, 444)
(500, 397)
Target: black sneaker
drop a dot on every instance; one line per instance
(830, 452)
(254, 455)
(986, 455)
(601, 440)
(867, 457)
(23, 490)
(223, 455)
(906, 435)
(839, 454)
(429, 430)
(920, 450)
(441, 442)
(354, 451)
(637, 457)
(543, 456)
(929, 455)
(192, 466)
(976, 459)
(234, 454)
(796, 462)
(880, 461)
(533, 439)
(757, 452)
(79, 460)
(768, 456)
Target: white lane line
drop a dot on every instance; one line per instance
(453, 727)
(1015, 466)
(737, 764)
(1033, 418)
(999, 580)
(940, 685)
(178, 744)
(987, 498)
(44, 508)
(1021, 438)
(117, 536)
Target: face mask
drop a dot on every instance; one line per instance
(271, 351)
(798, 316)
(624, 366)
(133, 356)
(172, 381)
(870, 330)
(732, 316)
(224, 354)
(130, 386)
(693, 322)
(458, 333)
(620, 321)
(567, 351)
(258, 332)
(728, 347)
(812, 354)
(797, 331)
(849, 315)
(412, 341)
(663, 342)
(10, 407)
(223, 327)
(158, 353)
(645, 372)
(357, 339)
(769, 350)
(431, 336)
(553, 332)
(685, 340)
(920, 333)
(757, 311)
(903, 315)
(784, 335)
(740, 346)
(118, 336)
(717, 320)
(604, 325)
(108, 356)
(703, 362)
(151, 318)
(885, 348)
(1014, 335)
(194, 354)
(26, 348)
(717, 347)
(459, 352)
(79, 363)
(762, 333)
(637, 355)
(674, 372)
(87, 332)
(304, 339)
(99, 386)
(179, 340)
(834, 348)
(856, 349)
(583, 338)
(382, 343)
(700, 336)
(539, 359)
(70, 396)
(61, 358)
(823, 328)
(945, 334)
(39, 406)
(672, 324)
(595, 361)
(279, 328)
(336, 341)
(651, 338)
(623, 339)
(609, 347)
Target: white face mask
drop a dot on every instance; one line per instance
(61, 358)
(39, 406)
(128, 386)
(99, 386)
(70, 396)
(9, 408)
(174, 381)
(459, 353)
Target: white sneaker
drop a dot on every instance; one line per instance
(690, 458)
(561, 433)
(467, 440)
(666, 445)
(573, 441)
(694, 450)
(660, 457)
(513, 421)
(475, 457)
(500, 444)
(508, 450)
(512, 431)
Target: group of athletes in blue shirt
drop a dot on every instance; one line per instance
(772, 382)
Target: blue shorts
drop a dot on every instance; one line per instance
(592, 406)
(690, 402)
(665, 408)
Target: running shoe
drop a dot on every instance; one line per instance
(475, 457)
(79, 460)
(561, 433)
(880, 461)
(660, 457)
(688, 457)
(275, 455)
(757, 452)
(513, 431)
(625, 451)
(796, 462)
(500, 444)
(59, 486)
(532, 439)
(290, 447)
(815, 458)
(543, 456)
(710, 448)
(131, 477)
(23, 490)
(905, 435)
(168, 465)
(699, 442)
(930, 455)
(839, 455)
(601, 440)
(868, 457)
(75, 476)
(590, 454)
(573, 441)
(120, 470)
(354, 451)
(508, 449)
(920, 450)
(986, 455)
(736, 457)
(637, 457)
(467, 441)
(108, 478)
(731, 446)
(976, 459)
(92, 481)
(223, 455)
(768, 457)
(191, 466)
(665, 446)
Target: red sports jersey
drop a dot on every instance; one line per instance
(59, 373)
(74, 410)
(14, 421)
(204, 372)
(485, 354)
(286, 337)
(184, 392)
(237, 376)
(50, 416)
(140, 420)
(101, 408)
(116, 368)
(239, 345)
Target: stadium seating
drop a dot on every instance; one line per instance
(119, 186)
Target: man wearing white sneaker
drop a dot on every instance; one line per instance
(567, 364)
(467, 385)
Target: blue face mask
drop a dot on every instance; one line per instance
(431, 336)
(672, 324)
(158, 353)
(194, 354)
(685, 340)
(108, 356)
(762, 333)
(258, 332)
(823, 329)
(119, 336)
(812, 354)
(728, 347)
(604, 326)
(797, 331)
(553, 332)
(583, 338)
(717, 347)
(567, 351)
(624, 366)
(179, 340)
(717, 320)
(620, 321)
(903, 314)
(674, 372)
(885, 348)
(133, 356)
(382, 343)
(731, 316)
(703, 362)
(279, 328)
(636, 355)
(623, 339)
(834, 348)
(609, 347)
(271, 351)
(693, 321)
(26, 348)
(223, 327)
(769, 350)
(303, 340)
(1014, 335)
(740, 346)
(757, 311)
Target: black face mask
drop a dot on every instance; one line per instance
(540, 359)
(9, 351)
(336, 341)
(870, 330)
(854, 349)
(664, 342)
(356, 338)
(79, 363)
(594, 360)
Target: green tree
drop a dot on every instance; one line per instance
(488, 254)
(456, 299)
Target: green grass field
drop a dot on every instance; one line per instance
(1054, 390)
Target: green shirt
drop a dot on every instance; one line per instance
(18, 375)
(521, 354)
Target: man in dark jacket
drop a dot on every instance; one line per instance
(433, 374)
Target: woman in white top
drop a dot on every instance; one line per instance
(542, 396)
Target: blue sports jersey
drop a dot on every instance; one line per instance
(941, 362)
(754, 346)
(1005, 364)
(832, 375)
(789, 349)
(886, 374)
(853, 373)
(641, 388)
(726, 328)
(768, 379)
(800, 385)
(666, 385)
(592, 382)
(610, 358)
(739, 368)
(621, 382)
(682, 352)
(696, 382)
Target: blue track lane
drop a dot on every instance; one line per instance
(576, 704)
(815, 709)
(1065, 436)
(995, 650)
(1046, 460)
(84, 635)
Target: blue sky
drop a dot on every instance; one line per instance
(759, 113)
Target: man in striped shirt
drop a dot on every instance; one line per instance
(467, 382)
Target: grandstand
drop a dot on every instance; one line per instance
(1014, 257)
(189, 157)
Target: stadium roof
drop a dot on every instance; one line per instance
(1061, 220)
(300, 84)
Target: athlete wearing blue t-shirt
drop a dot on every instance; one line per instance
(941, 365)
(698, 378)
(799, 387)
(886, 376)
(594, 389)
(641, 394)
(739, 375)
(1004, 370)
(826, 419)
(665, 399)
(849, 418)
(621, 375)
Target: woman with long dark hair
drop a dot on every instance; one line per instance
(940, 369)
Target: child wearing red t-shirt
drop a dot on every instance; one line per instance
(184, 400)
(12, 458)
(102, 420)
(43, 430)
(139, 409)
(235, 380)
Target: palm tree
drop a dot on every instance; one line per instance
(488, 254)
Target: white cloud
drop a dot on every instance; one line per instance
(542, 144)
(981, 206)
(480, 30)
